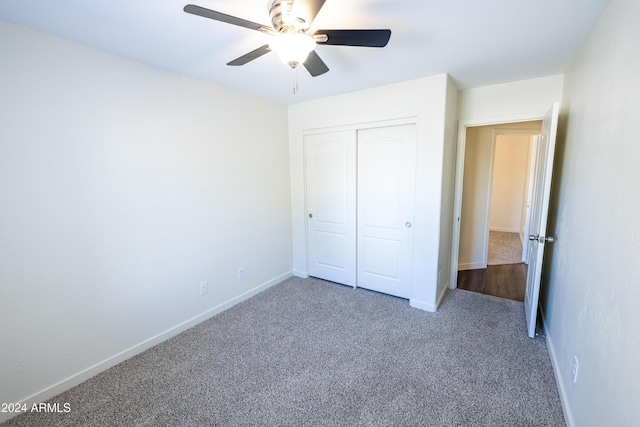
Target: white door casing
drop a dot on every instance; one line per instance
(386, 198)
(539, 212)
(330, 161)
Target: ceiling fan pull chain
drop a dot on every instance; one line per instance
(295, 81)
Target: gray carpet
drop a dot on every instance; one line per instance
(309, 352)
(504, 248)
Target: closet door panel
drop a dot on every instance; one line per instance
(330, 162)
(380, 257)
(386, 193)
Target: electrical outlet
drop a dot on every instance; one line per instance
(240, 272)
(204, 288)
(576, 367)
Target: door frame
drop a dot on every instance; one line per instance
(459, 176)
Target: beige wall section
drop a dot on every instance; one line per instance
(123, 187)
(591, 276)
(508, 184)
(476, 190)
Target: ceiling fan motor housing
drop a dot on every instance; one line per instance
(281, 19)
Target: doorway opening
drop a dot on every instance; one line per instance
(493, 243)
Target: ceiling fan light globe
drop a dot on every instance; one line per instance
(292, 48)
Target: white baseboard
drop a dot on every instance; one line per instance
(471, 266)
(84, 375)
(504, 230)
(562, 391)
(301, 274)
(423, 305)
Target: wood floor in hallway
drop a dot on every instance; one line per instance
(504, 281)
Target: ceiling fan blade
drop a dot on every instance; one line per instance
(254, 54)
(218, 16)
(366, 38)
(307, 9)
(314, 65)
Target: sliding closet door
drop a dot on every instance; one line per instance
(386, 194)
(331, 205)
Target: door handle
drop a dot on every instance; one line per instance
(542, 239)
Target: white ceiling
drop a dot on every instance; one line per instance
(477, 42)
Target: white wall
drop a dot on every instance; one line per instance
(423, 99)
(510, 171)
(591, 273)
(515, 101)
(123, 187)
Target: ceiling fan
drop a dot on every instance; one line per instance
(291, 41)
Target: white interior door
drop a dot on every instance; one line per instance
(539, 211)
(330, 161)
(386, 194)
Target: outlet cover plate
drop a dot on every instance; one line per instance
(204, 288)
